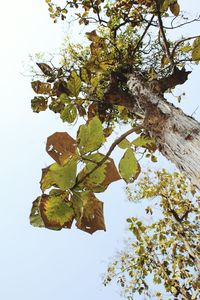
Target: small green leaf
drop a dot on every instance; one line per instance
(90, 137)
(69, 114)
(74, 84)
(129, 167)
(143, 141)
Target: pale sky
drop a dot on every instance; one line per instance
(38, 263)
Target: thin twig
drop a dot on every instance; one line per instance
(181, 41)
(166, 47)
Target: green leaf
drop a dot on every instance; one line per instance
(69, 114)
(124, 144)
(35, 216)
(57, 211)
(196, 49)
(143, 141)
(99, 179)
(85, 75)
(63, 177)
(89, 212)
(90, 137)
(74, 84)
(129, 167)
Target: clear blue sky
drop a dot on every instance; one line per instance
(34, 263)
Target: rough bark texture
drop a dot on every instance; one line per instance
(177, 134)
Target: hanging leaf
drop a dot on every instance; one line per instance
(63, 177)
(35, 216)
(89, 212)
(69, 113)
(41, 87)
(61, 146)
(129, 167)
(175, 8)
(39, 104)
(196, 49)
(105, 174)
(92, 36)
(74, 84)
(46, 69)
(56, 211)
(90, 136)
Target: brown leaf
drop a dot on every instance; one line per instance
(46, 69)
(92, 218)
(112, 173)
(52, 215)
(61, 146)
(41, 87)
(92, 111)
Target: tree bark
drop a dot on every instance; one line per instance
(177, 134)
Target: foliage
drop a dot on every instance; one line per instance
(90, 84)
(165, 250)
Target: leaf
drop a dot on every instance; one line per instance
(186, 48)
(90, 136)
(41, 87)
(175, 8)
(35, 216)
(74, 84)
(196, 49)
(92, 36)
(129, 167)
(145, 141)
(46, 69)
(63, 177)
(164, 60)
(57, 211)
(124, 144)
(69, 114)
(85, 75)
(89, 212)
(105, 174)
(39, 104)
(61, 146)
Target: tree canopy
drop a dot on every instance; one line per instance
(118, 75)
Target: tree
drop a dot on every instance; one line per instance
(164, 251)
(119, 78)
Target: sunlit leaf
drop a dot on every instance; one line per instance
(196, 49)
(56, 211)
(63, 177)
(99, 179)
(69, 113)
(124, 144)
(90, 136)
(129, 167)
(74, 84)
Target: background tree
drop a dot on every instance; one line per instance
(120, 77)
(164, 250)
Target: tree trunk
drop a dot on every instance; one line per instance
(177, 135)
